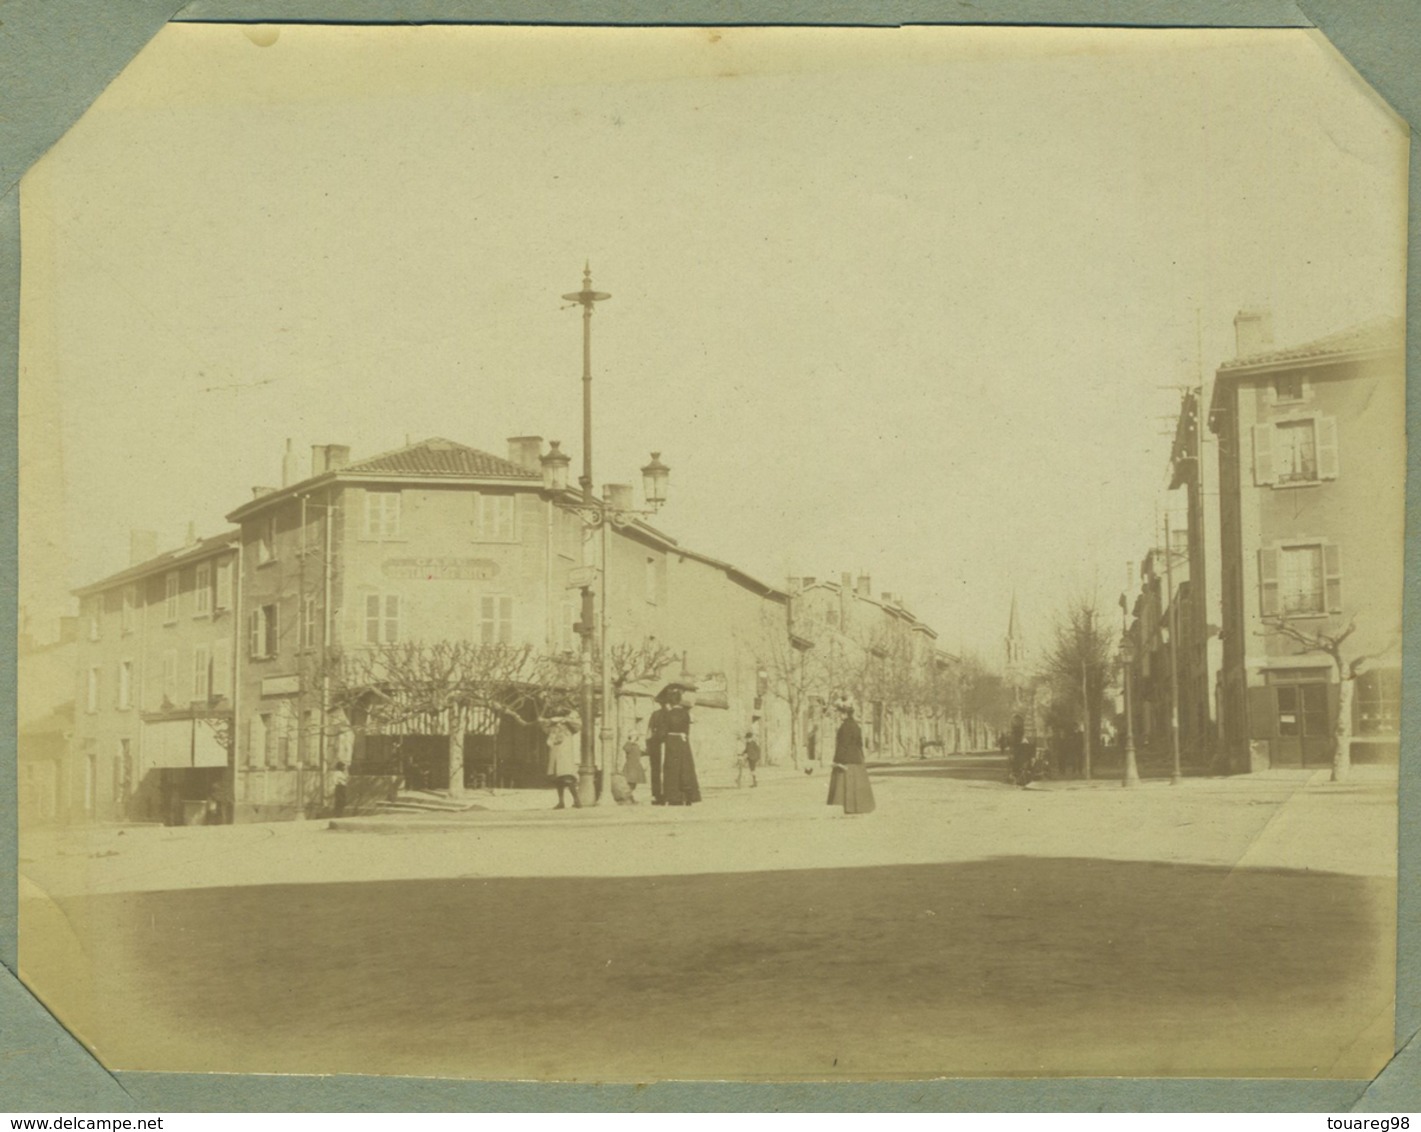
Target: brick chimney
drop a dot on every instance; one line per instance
(289, 473)
(863, 589)
(190, 535)
(329, 458)
(526, 452)
(1253, 331)
(142, 545)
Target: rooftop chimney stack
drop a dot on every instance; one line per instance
(328, 458)
(142, 545)
(1253, 331)
(526, 452)
(864, 589)
(618, 496)
(288, 464)
(191, 537)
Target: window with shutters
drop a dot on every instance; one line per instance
(262, 632)
(170, 598)
(382, 515)
(496, 619)
(202, 590)
(224, 585)
(382, 619)
(1296, 450)
(201, 672)
(222, 667)
(1300, 580)
(495, 518)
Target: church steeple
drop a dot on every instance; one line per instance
(1015, 651)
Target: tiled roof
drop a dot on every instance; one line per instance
(439, 457)
(203, 548)
(1376, 334)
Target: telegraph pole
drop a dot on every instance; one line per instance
(587, 768)
(1175, 775)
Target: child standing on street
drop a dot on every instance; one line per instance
(748, 759)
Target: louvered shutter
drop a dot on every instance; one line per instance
(1268, 582)
(1263, 473)
(1332, 567)
(1326, 448)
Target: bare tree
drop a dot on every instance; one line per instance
(1348, 668)
(629, 663)
(443, 687)
(796, 674)
(1077, 665)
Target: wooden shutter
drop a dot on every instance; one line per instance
(255, 635)
(1263, 473)
(1268, 582)
(222, 668)
(1263, 713)
(272, 635)
(1326, 428)
(1332, 569)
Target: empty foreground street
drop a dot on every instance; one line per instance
(1222, 927)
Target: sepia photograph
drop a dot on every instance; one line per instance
(741, 554)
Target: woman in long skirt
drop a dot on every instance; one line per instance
(679, 783)
(848, 783)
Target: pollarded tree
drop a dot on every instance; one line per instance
(1348, 666)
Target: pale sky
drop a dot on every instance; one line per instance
(900, 301)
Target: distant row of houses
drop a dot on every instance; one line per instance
(1291, 537)
(201, 675)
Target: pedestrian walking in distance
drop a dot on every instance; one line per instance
(563, 757)
(632, 770)
(679, 784)
(342, 785)
(848, 782)
(748, 759)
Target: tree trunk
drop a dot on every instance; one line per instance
(456, 758)
(1342, 732)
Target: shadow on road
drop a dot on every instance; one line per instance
(1008, 965)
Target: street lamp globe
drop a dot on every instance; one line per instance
(555, 463)
(653, 479)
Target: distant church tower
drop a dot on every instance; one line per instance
(1016, 650)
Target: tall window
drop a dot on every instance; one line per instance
(201, 672)
(308, 621)
(1300, 581)
(202, 588)
(222, 667)
(130, 607)
(125, 683)
(382, 619)
(1295, 451)
(224, 585)
(1376, 702)
(170, 597)
(494, 517)
(266, 540)
(382, 514)
(262, 632)
(496, 619)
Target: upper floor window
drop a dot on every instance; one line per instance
(202, 589)
(266, 540)
(125, 684)
(382, 514)
(222, 667)
(201, 672)
(495, 518)
(1289, 387)
(170, 597)
(308, 621)
(262, 632)
(1295, 450)
(224, 585)
(1300, 580)
(130, 607)
(382, 619)
(496, 619)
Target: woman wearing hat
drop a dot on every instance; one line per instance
(848, 783)
(679, 784)
(563, 756)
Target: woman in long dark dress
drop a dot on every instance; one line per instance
(848, 783)
(679, 784)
